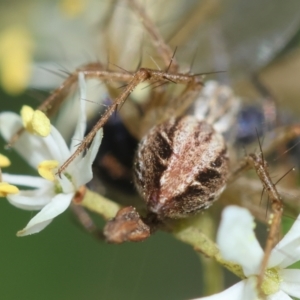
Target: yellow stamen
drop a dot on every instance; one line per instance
(4, 161)
(26, 115)
(41, 124)
(271, 282)
(35, 121)
(46, 169)
(6, 189)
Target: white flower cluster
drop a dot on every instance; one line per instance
(45, 152)
(238, 244)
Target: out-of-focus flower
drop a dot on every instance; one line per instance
(52, 196)
(237, 243)
(16, 49)
(4, 161)
(72, 8)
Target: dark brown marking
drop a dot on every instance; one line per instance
(205, 177)
(163, 147)
(218, 162)
(207, 137)
(190, 192)
(158, 169)
(171, 131)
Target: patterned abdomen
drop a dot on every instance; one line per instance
(181, 167)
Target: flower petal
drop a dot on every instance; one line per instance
(84, 173)
(81, 122)
(32, 148)
(291, 282)
(27, 144)
(32, 199)
(287, 251)
(26, 180)
(56, 146)
(243, 290)
(237, 241)
(66, 184)
(34, 228)
(279, 296)
(57, 205)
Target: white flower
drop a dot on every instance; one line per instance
(237, 243)
(51, 197)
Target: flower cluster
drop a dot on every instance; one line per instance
(238, 244)
(43, 147)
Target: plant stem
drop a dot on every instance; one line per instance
(99, 204)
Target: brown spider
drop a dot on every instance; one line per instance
(182, 164)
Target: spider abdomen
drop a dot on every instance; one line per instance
(181, 167)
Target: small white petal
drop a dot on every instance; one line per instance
(237, 241)
(279, 296)
(57, 205)
(292, 234)
(81, 121)
(291, 282)
(32, 148)
(84, 172)
(10, 123)
(32, 199)
(243, 290)
(25, 180)
(287, 251)
(56, 146)
(285, 256)
(66, 184)
(34, 229)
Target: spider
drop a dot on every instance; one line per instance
(182, 164)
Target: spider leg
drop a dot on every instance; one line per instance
(162, 48)
(258, 163)
(86, 221)
(92, 70)
(140, 76)
(246, 192)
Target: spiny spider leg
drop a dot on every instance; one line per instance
(92, 70)
(162, 48)
(261, 168)
(140, 76)
(258, 163)
(178, 106)
(96, 70)
(86, 221)
(280, 137)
